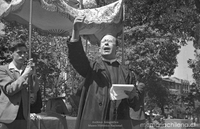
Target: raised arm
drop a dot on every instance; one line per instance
(76, 54)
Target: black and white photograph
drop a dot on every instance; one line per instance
(99, 64)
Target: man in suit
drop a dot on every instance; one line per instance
(96, 108)
(14, 81)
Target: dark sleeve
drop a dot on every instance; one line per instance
(140, 89)
(9, 85)
(139, 96)
(36, 107)
(78, 58)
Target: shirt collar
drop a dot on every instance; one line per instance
(110, 61)
(12, 66)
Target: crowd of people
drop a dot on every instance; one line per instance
(96, 108)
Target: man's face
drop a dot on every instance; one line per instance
(108, 46)
(20, 55)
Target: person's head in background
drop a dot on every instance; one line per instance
(108, 47)
(19, 53)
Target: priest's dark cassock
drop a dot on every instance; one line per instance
(96, 109)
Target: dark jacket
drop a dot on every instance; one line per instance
(137, 113)
(37, 105)
(94, 107)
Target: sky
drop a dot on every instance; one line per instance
(183, 71)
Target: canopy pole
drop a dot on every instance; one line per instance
(123, 62)
(86, 46)
(30, 30)
(86, 41)
(81, 4)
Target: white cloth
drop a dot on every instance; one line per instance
(12, 66)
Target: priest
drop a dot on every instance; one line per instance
(96, 109)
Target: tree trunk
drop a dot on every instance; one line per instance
(163, 111)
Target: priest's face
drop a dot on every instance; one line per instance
(108, 47)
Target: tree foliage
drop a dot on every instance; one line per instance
(194, 64)
(50, 55)
(154, 32)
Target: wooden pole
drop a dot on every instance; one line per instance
(123, 62)
(30, 30)
(86, 46)
(86, 41)
(81, 4)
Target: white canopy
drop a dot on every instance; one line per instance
(56, 16)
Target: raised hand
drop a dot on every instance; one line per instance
(131, 94)
(77, 26)
(78, 23)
